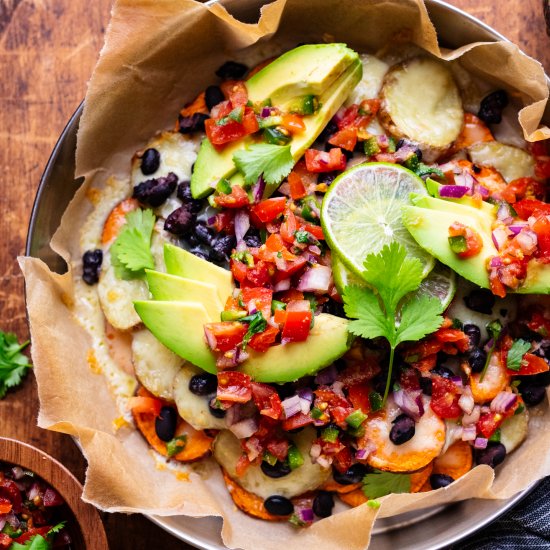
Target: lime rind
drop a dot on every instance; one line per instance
(362, 212)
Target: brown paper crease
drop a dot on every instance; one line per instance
(158, 55)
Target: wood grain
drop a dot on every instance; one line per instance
(47, 52)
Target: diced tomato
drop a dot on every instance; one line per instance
(349, 116)
(225, 221)
(297, 421)
(520, 187)
(27, 535)
(289, 226)
(474, 242)
(358, 394)
(259, 275)
(145, 405)
(321, 161)
(293, 123)
(280, 316)
(52, 498)
(343, 460)
(231, 130)
(339, 415)
(531, 364)
(345, 138)
(242, 465)
(445, 396)
(238, 270)
(262, 341)
(236, 199)
(315, 230)
(236, 92)
(538, 322)
(291, 294)
(278, 448)
(298, 305)
(267, 400)
(224, 336)
(269, 209)
(291, 267)
(5, 505)
(488, 423)
(542, 228)
(408, 379)
(260, 298)
(497, 288)
(5, 541)
(297, 187)
(234, 387)
(529, 207)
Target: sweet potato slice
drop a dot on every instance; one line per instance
(116, 219)
(455, 462)
(248, 502)
(418, 479)
(332, 486)
(198, 105)
(197, 446)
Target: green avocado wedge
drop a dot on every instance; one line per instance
(327, 71)
(180, 327)
(184, 264)
(428, 221)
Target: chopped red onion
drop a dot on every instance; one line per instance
(17, 472)
(2, 522)
(453, 191)
(291, 406)
(449, 167)
(517, 226)
(306, 393)
(258, 189)
(406, 401)
(316, 278)
(338, 388)
(233, 414)
(315, 451)
(527, 241)
(305, 515)
(457, 380)
(496, 261)
(253, 448)
(500, 237)
(326, 376)
(211, 221)
(271, 322)
(368, 447)
(337, 118)
(504, 212)
(298, 305)
(466, 401)
(33, 492)
(480, 443)
(315, 208)
(314, 249)
(242, 224)
(305, 405)
(485, 409)
(503, 402)
(473, 417)
(469, 433)
(210, 338)
(282, 285)
(465, 179)
(280, 263)
(244, 428)
(324, 462)
(483, 191)
(13, 520)
(266, 111)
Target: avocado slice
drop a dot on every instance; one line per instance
(180, 327)
(428, 222)
(165, 287)
(182, 263)
(328, 71)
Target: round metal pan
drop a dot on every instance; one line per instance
(423, 530)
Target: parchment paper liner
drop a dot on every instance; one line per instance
(157, 56)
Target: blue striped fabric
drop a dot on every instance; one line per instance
(525, 526)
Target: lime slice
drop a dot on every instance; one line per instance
(440, 282)
(362, 212)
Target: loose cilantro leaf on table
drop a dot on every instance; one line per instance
(379, 484)
(131, 251)
(274, 162)
(393, 274)
(515, 354)
(13, 363)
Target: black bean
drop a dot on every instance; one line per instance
(426, 385)
(221, 249)
(199, 252)
(285, 390)
(477, 359)
(165, 423)
(473, 333)
(212, 96)
(279, 469)
(231, 70)
(334, 308)
(154, 192)
(329, 146)
(442, 371)
(440, 480)
(215, 411)
(193, 123)
(278, 505)
(490, 110)
(354, 474)
(150, 161)
(402, 430)
(91, 265)
(180, 221)
(203, 234)
(330, 129)
(543, 349)
(476, 169)
(481, 300)
(493, 455)
(532, 395)
(203, 384)
(184, 191)
(327, 177)
(253, 241)
(323, 503)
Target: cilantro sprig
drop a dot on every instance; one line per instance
(131, 251)
(515, 354)
(274, 162)
(38, 542)
(256, 324)
(380, 311)
(13, 364)
(379, 484)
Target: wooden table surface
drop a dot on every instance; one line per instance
(48, 49)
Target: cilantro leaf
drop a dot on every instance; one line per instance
(131, 251)
(56, 528)
(515, 354)
(406, 274)
(38, 542)
(13, 363)
(379, 484)
(257, 323)
(419, 317)
(363, 305)
(274, 162)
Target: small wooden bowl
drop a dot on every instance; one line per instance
(88, 532)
